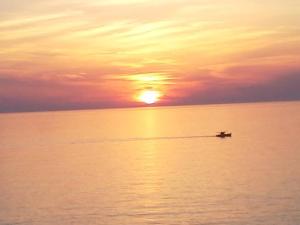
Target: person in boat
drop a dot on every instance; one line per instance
(223, 134)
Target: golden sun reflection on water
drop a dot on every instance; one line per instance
(103, 165)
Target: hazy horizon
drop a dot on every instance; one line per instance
(153, 106)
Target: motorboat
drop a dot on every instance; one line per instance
(223, 134)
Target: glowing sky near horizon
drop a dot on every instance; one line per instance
(95, 53)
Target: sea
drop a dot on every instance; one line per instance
(152, 166)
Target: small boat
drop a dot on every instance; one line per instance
(223, 134)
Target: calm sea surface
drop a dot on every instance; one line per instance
(152, 166)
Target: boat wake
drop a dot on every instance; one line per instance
(143, 139)
(166, 138)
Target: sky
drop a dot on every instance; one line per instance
(77, 54)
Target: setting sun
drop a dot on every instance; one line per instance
(149, 96)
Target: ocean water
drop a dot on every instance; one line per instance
(152, 166)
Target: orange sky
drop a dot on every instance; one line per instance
(65, 54)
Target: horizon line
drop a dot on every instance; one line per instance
(148, 106)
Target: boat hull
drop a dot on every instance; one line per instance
(223, 135)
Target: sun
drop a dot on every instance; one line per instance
(149, 96)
